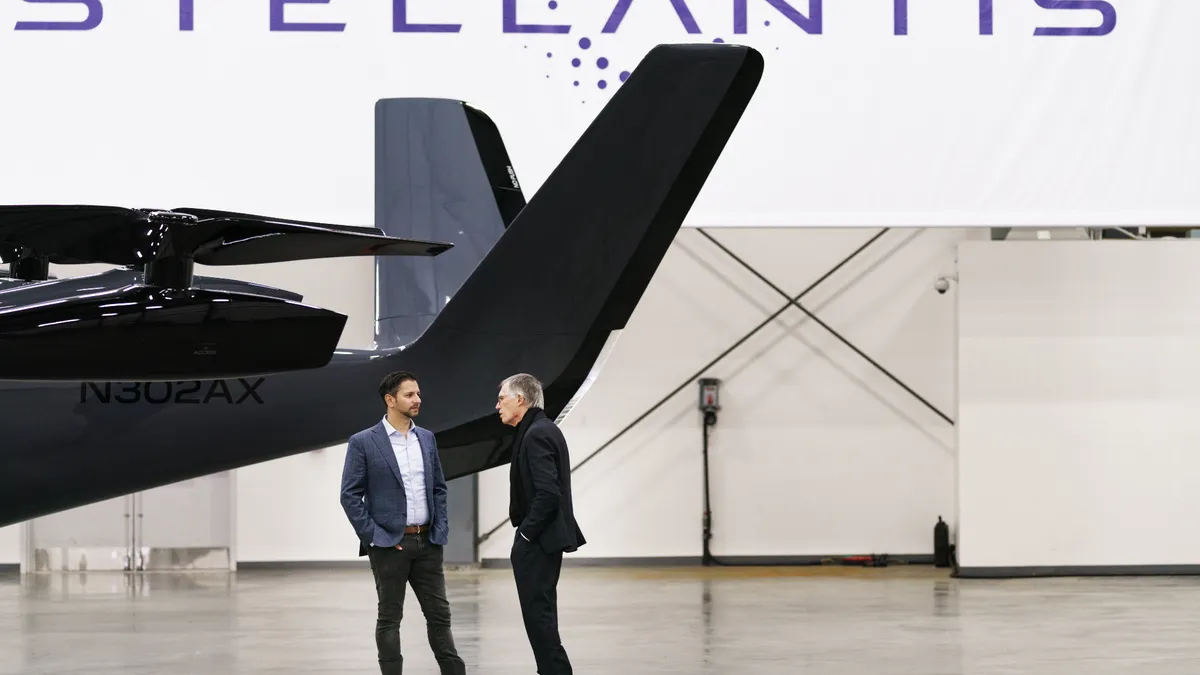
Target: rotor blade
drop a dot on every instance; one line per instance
(115, 279)
(76, 233)
(211, 214)
(244, 287)
(39, 215)
(240, 241)
(123, 236)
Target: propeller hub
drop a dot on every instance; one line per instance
(169, 261)
(171, 217)
(28, 265)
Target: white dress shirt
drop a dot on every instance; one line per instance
(407, 448)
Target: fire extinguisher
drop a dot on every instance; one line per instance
(941, 544)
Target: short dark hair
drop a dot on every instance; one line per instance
(392, 381)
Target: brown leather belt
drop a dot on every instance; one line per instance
(416, 529)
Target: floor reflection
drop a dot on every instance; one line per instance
(694, 621)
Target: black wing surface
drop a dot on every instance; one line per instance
(573, 265)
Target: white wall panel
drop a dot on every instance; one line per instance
(1078, 382)
(10, 545)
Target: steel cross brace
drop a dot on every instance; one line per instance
(795, 302)
(691, 380)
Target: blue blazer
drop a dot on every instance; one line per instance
(373, 491)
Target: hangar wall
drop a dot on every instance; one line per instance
(1078, 376)
(10, 545)
(815, 452)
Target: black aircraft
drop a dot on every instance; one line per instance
(147, 374)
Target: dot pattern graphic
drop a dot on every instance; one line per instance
(581, 64)
(602, 63)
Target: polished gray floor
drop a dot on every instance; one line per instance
(895, 621)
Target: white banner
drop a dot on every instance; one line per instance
(871, 112)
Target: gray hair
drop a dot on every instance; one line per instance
(527, 387)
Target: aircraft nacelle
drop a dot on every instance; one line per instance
(147, 333)
(161, 323)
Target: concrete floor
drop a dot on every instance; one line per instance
(695, 621)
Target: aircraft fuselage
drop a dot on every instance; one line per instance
(67, 443)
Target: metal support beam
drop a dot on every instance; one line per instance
(822, 324)
(690, 381)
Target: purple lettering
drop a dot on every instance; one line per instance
(278, 24)
(811, 21)
(985, 17)
(511, 25)
(400, 22)
(810, 24)
(94, 17)
(1108, 15)
(681, 10)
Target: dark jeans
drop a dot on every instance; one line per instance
(536, 573)
(418, 563)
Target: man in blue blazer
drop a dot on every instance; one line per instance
(394, 493)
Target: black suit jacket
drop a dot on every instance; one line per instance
(540, 505)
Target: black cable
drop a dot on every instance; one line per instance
(710, 418)
(691, 380)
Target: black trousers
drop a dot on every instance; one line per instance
(536, 573)
(417, 563)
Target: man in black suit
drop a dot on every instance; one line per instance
(540, 508)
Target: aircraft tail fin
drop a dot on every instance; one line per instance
(440, 167)
(573, 265)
